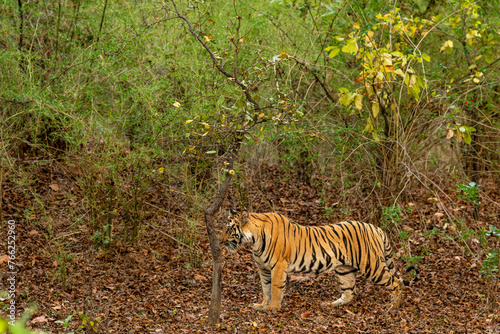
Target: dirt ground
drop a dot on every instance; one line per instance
(160, 286)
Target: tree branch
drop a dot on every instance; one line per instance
(216, 63)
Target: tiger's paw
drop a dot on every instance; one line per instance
(263, 307)
(259, 307)
(336, 303)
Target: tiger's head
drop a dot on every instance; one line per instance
(233, 235)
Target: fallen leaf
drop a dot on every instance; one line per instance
(40, 320)
(33, 232)
(4, 259)
(190, 316)
(306, 315)
(54, 264)
(100, 255)
(439, 214)
(200, 278)
(54, 187)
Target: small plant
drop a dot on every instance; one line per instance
(405, 235)
(412, 259)
(328, 211)
(490, 266)
(104, 237)
(19, 326)
(469, 192)
(188, 236)
(391, 215)
(62, 259)
(490, 269)
(88, 324)
(66, 322)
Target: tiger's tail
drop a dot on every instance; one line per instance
(408, 269)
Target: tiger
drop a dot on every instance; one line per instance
(280, 247)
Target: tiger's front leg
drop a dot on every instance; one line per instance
(265, 280)
(278, 282)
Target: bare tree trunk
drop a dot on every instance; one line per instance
(215, 299)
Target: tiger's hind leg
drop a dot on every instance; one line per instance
(347, 280)
(392, 282)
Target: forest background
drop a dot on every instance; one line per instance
(122, 122)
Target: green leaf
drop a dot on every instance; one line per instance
(436, 18)
(467, 138)
(426, 57)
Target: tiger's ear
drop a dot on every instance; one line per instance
(244, 218)
(233, 212)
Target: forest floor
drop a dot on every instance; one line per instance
(158, 286)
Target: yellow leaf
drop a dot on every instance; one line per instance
(476, 80)
(447, 44)
(189, 121)
(413, 80)
(351, 46)
(375, 109)
(207, 38)
(176, 104)
(334, 52)
(426, 57)
(161, 170)
(472, 34)
(399, 72)
(356, 25)
(283, 54)
(369, 125)
(358, 101)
